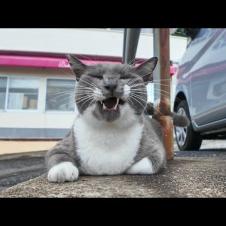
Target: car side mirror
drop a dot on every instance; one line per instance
(191, 32)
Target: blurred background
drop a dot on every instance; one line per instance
(37, 85)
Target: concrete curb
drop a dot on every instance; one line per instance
(184, 177)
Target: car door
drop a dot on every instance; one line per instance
(208, 79)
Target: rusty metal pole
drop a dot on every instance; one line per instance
(165, 85)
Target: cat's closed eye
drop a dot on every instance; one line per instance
(96, 76)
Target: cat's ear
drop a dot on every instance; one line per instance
(77, 66)
(145, 70)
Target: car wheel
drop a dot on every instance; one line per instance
(187, 139)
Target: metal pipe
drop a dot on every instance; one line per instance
(130, 43)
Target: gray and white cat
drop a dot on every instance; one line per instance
(111, 134)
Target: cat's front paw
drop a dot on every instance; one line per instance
(62, 172)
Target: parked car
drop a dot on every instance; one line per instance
(200, 91)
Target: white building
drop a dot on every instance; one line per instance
(36, 83)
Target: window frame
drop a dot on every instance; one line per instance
(7, 93)
(46, 86)
(42, 94)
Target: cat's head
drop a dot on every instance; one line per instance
(108, 91)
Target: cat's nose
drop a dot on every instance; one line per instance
(110, 86)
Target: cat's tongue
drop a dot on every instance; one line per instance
(110, 103)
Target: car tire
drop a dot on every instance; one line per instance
(187, 139)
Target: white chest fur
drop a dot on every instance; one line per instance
(107, 150)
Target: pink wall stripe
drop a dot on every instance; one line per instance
(46, 62)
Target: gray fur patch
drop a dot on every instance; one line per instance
(151, 145)
(63, 151)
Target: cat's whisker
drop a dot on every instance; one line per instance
(84, 89)
(61, 95)
(136, 85)
(67, 104)
(164, 91)
(140, 98)
(83, 93)
(87, 101)
(160, 84)
(135, 99)
(83, 98)
(81, 87)
(91, 85)
(162, 94)
(139, 93)
(136, 81)
(132, 80)
(84, 101)
(142, 76)
(138, 90)
(88, 83)
(61, 92)
(84, 86)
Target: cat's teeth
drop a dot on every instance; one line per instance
(104, 107)
(115, 107)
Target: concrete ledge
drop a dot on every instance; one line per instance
(184, 177)
(23, 147)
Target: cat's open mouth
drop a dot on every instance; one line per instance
(111, 104)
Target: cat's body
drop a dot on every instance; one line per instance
(111, 135)
(108, 152)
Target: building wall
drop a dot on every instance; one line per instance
(55, 124)
(36, 123)
(82, 41)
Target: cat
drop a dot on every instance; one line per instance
(156, 113)
(111, 135)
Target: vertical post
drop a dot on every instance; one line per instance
(156, 73)
(161, 42)
(124, 46)
(130, 43)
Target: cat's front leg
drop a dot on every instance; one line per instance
(144, 166)
(62, 162)
(62, 172)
